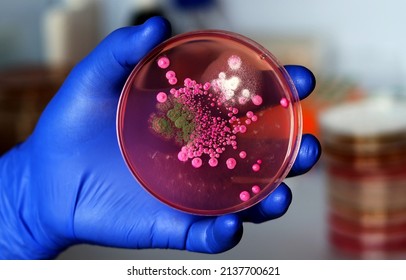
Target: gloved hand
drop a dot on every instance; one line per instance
(68, 184)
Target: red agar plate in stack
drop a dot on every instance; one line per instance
(209, 122)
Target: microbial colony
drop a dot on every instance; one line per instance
(209, 122)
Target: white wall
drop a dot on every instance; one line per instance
(20, 38)
(367, 37)
(364, 39)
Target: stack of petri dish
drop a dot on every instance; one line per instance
(365, 154)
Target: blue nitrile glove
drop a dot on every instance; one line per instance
(68, 183)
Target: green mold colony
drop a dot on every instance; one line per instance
(174, 121)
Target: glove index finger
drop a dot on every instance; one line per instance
(130, 44)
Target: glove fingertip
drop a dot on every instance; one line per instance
(227, 225)
(214, 235)
(158, 23)
(226, 233)
(303, 78)
(278, 202)
(309, 155)
(152, 32)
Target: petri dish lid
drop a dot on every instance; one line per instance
(209, 122)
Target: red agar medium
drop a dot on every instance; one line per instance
(209, 122)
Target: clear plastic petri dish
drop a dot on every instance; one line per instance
(209, 122)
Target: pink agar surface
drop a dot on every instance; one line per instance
(200, 127)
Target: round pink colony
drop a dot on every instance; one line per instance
(170, 74)
(244, 195)
(163, 62)
(231, 163)
(182, 156)
(197, 162)
(256, 167)
(243, 154)
(256, 189)
(173, 80)
(213, 162)
(257, 100)
(284, 102)
(161, 97)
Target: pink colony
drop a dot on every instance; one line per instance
(231, 163)
(243, 154)
(197, 162)
(161, 97)
(187, 82)
(234, 62)
(257, 100)
(256, 189)
(250, 114)
(213, 162)
(163, 62)
(254, 118)
(243, 129)
(182, 156)
(244, 195)
(256, 167)
(284, 102)
(170, 74)
(173, 81)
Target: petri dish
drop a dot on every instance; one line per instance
(209, 122)
(368, 135)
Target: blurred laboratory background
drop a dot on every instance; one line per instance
(352, 205)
